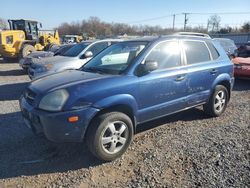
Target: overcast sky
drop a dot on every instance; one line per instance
(53, 12)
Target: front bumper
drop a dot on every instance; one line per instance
(8, 51)
(55, 125)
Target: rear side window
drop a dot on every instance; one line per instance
(196, 52)
(166, 54)
(213, 50)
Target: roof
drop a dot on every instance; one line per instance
(195, 34)
(165, 37)
(23, 20)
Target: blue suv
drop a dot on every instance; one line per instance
(127, 84)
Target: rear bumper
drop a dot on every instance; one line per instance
(243, 72)
(55, 125)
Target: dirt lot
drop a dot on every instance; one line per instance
(183, 150)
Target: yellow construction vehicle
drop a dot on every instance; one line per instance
(25, 37)
(66, 39)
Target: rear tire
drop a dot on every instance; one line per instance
(218, 102)
(109, 135)
(26, 50)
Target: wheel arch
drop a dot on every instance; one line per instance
(226, 81)
(119, 103)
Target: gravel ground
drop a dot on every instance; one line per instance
(183, 150)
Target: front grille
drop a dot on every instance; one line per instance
(30, 96)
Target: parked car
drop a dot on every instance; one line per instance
(241, 67)
(229, 46)
(37, 55)
(127, 84)
(74, 58)
(244, 50)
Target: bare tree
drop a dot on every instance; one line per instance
(3, 24)
(246, 27)
(213, 23)
(94, 27)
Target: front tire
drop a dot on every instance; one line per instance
(26, 50)
(218, 102)
(110, 135)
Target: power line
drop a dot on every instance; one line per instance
(194, 13)
(151, 19)
(221, 13)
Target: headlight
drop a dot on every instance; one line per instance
(54, 101)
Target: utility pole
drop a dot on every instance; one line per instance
(173, 21)
(185, 20)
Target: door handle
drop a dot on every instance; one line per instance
(213, 71)
(180, 78)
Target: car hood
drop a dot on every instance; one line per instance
(40, 54)
(64, 79)
(54, 59)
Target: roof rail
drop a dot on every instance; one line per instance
(194, 34)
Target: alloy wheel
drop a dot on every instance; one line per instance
(114, 137)
(220, 101)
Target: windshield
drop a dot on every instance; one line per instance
(18, 25)
(62, 50)
(76, 49)
(115, 59)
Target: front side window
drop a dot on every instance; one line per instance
(166, 54)
(116, 58)
(33, 28)
(196, 52)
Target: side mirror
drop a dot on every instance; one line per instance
(147, 67)
(151, 66)
(87, 54)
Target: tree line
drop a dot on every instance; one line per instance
(95, 27)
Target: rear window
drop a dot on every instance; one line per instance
(196, 52)
(213, 50)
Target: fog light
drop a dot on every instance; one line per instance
(73, 119)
